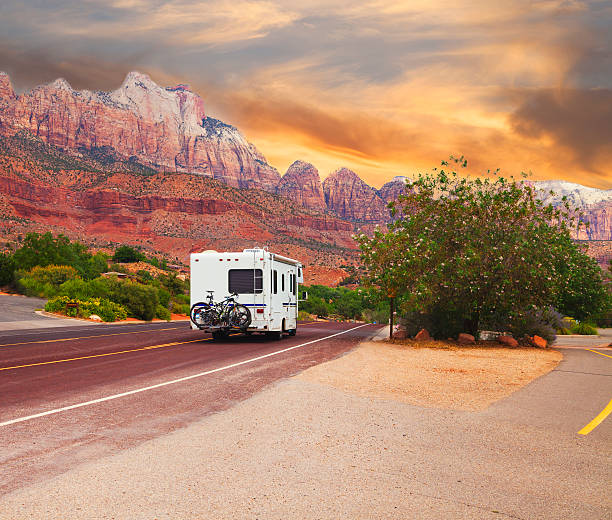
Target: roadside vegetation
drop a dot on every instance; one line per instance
(71, 277)
(341, 303)
(470, 254)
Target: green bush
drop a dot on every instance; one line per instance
(31, 287)
(180, 308)
(53, 274)
(541, 322)
(182, 298)
(44, 281)
(140, 300)
(162, 313)
(127, 254)
(584, 328)
(83, 289)
(7, 269)
(107, 310)
(304, 316)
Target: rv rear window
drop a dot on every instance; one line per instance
(245, 281)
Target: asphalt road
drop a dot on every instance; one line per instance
(44, 371)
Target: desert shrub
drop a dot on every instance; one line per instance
(145, 276)
(316, 305)
(181, 298)
(44, 281)
(53, 274)
(32, 287)
(127, 254)
(7, 269)
(107, 310)
(118, 268)
(563, 331)
(541, 322)
(83, 289)
(584, 328)
(173, 283)
(376, 315)
(305, 316)
(180, 308)
(140, 300)
(162, 313)
(163, 296)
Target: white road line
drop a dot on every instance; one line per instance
(166, 383)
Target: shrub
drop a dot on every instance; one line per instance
(127, 254)
(31, 287)
(7, 269)
(542, 322)
(107, 310)
(144, 275)
(584, 328)
(140, 300)
(180, 308)
(82, 289)
(376, 316)
(182, 298)
(162, 313)
(305, 316)
(44, 281)
(53, 274)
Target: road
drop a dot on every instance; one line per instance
(88, 369)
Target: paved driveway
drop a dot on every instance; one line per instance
(18, 313)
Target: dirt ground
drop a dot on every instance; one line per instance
(455, 378)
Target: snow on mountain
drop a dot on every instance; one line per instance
(577, 195)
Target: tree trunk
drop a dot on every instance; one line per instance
(471, 325)
(391, 313)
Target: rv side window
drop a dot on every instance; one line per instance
(245, 281)
(283, 282)
(294, 280)
(275, 281)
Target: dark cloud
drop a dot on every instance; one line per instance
(578, 120)
(28, 68)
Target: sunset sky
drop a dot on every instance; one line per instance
(383, 87)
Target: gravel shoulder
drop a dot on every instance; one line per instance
(466, 378)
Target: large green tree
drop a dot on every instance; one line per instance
(467, 250)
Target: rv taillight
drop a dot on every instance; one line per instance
(220, 259)
(259, 311)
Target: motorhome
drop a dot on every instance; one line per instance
(265, 283)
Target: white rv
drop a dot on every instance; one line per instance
(263, 282)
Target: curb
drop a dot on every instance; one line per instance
(84, 320)
(381, 335)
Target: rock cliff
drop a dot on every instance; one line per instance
(351, 198)
(392, 189)
(302, 184)
(165, 128)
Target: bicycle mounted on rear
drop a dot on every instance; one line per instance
(220, 317)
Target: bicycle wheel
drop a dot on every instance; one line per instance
(240, 317)
(199, 314)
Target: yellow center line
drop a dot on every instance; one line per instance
(601, 415)
(598, 420)
(86, 337)
(107, 354)
(606, 355)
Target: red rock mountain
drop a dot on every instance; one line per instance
(302, 184)
(350, 197)
(142, 165)
(165, 128)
